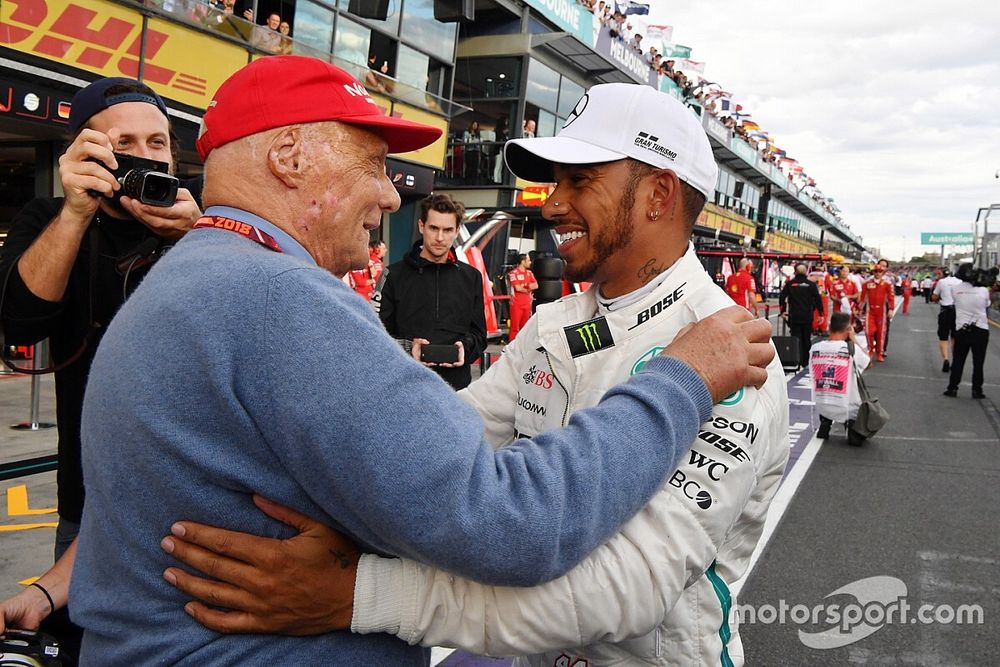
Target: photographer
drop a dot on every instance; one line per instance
(972, 328)
(69, 262)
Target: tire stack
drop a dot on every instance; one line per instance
(548, 272)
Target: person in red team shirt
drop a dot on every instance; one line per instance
(878, 298)
(523, 283)
(837, 289)
(907, 293)
(741, 287)
(822, 279)
(376, 253)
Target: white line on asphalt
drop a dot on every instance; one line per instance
(782, 499)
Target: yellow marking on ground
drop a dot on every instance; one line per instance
(17, 503)
(28, 581)
(994, 324)
(26, 526)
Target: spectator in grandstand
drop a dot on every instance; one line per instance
(798, 300)
(373, 78)
(69, 262)
(832, 367)
(528, 128)
(285, 47)
(636, 43)
(266, 37)
(972, 330)
(651, 54)
(431, 298)
(420, 480)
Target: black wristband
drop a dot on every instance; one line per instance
(52, 605)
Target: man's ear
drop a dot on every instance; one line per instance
(664, 195)
(284, 156)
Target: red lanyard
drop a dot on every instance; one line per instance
(242, 228)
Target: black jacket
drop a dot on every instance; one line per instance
(799, 298)
(440, 302)
(27, 319)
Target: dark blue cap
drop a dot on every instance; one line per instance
(94, 98)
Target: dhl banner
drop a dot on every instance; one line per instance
(180, 63)
(106, 39)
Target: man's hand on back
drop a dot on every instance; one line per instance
(300, 586)
(729, 350)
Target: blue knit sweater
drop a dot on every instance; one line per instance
(234, 370)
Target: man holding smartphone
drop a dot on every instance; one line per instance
(435, 301)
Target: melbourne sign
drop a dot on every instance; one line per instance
(947, 238)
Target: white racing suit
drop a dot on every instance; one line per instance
(657, 592)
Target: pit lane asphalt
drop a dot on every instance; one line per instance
(919, 502)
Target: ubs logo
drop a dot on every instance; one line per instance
(538, 378)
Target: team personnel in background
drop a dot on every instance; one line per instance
(376, 257)
(523, 283)
(972, 330)
(821, 279)
(624, 224)
(421, 479)
(927, 285)
(361, 282)
(842, 292)
(907, 286)
(799, 303)
(891, 278)
(431, 298)
(878, 299)
(835, 387)
(742, 288)
(946, 317)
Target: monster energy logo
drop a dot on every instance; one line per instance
(589, 337)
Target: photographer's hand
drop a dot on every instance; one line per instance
(169, 222)
(461, 357)
(45, 266)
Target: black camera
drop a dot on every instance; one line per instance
(145, 180)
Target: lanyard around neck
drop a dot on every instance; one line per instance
(244, 229)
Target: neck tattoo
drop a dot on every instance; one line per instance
(650, 270)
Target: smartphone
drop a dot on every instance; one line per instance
(439, 354)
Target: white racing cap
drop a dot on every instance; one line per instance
(614, 121)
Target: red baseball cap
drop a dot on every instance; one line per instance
(276, 91)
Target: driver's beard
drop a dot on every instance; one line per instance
(613, 237)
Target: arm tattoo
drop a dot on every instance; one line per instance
(343, 558)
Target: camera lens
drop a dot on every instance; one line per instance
(150, 187)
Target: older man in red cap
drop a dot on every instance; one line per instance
(267, 400)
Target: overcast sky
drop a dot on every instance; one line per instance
(893, 107)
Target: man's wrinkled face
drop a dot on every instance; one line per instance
(346, 191)
(594, 219)
(273, 21)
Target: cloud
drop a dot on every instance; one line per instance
(891, 107)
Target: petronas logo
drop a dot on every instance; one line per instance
(589, 337)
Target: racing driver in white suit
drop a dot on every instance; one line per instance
(633, 169)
